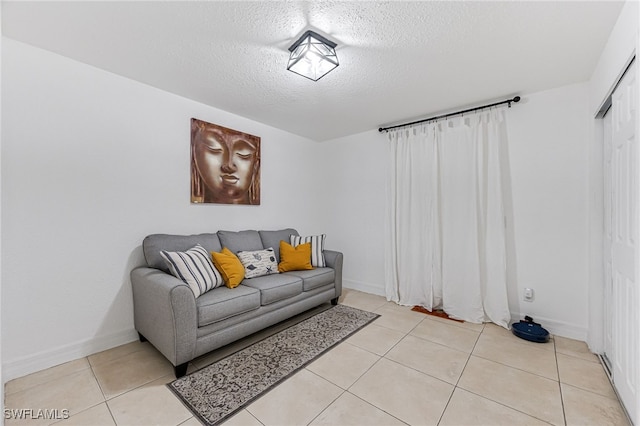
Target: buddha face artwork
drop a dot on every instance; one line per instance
(225, 165)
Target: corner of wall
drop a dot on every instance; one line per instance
(557, 328)
(364, 287)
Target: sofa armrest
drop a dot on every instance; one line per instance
(165, 313)
(333, 259)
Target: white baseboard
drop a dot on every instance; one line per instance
(363, 286)
(558, 328)
(50, 358)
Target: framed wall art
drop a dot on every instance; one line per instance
(225, 165)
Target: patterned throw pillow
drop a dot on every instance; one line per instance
(258, 263)
(317, 247)
(194, 267)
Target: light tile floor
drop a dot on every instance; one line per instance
(404, 368)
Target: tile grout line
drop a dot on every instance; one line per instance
(468, 358)
(91, 406)
(418, 371)
(250, 413)
(585, 389)
(365, 372)
(426, 318)
(520, 369)
(376, 407)
(330, 403)
(590, 391)
(342, 389)
(79, 412)
(395, 329)
(506, 406)
(103, 394)
(411, 368)
(515, 368)
(455, 386)
(325, 408)
(387, 328)
(555, 355)
(364, 400)
(441, 344)
(106, 400)
(46, 382)
(489, 399)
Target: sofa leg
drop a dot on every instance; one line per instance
(334, 301)
(142, 338)
(181, 370)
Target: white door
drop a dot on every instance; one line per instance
(623, 351)
(608, 238)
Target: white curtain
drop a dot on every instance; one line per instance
(446, 244)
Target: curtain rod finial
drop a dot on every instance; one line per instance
(515, 99)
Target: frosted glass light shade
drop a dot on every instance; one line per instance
(312, 56)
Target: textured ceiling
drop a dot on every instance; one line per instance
(398, 60)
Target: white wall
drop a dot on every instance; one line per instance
(548, 154)
(91, 163)
(548, 136)
(357, 182)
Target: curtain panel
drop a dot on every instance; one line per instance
(446, 242)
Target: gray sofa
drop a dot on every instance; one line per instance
(183, 327)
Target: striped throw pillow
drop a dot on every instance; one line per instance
(195, 268)
(317, 247)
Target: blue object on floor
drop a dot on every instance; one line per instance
(530, 331)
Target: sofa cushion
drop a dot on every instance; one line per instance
(242, 240)
(223, 302)
(153, 244)
(317, 247)
(258, 263)
(294, 258)
(273, 238)
(315, 278)
(195, 268)
(275, 287)
(230, 267)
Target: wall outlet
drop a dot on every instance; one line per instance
(528, 295)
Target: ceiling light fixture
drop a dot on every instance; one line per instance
(312, 56)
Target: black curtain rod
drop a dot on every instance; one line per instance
(508, 101)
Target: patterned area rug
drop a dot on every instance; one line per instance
(219, 390)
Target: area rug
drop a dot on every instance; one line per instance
(435, 313)
(216, 392)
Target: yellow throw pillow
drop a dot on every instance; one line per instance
(294, 258)
(229, 266)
